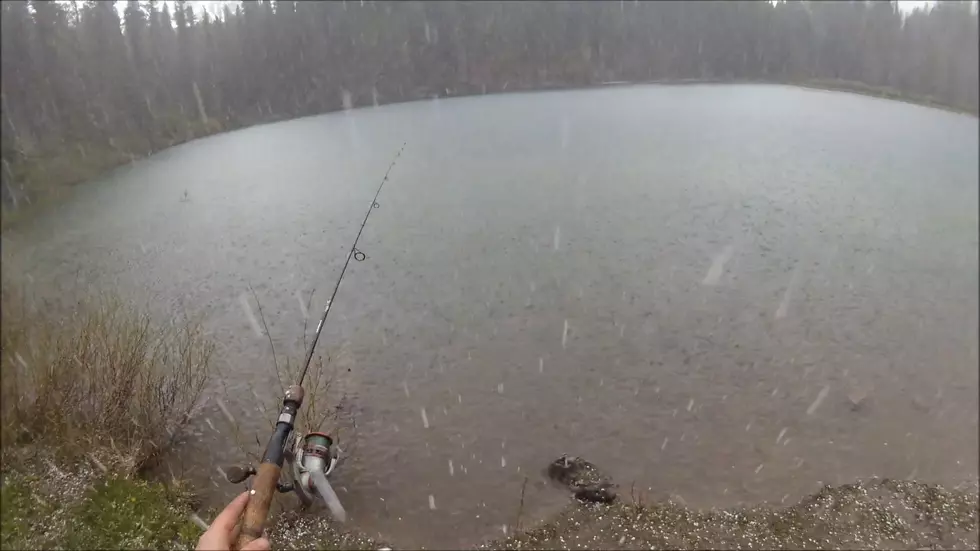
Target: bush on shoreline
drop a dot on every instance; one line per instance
(103, 381)
(87, 400)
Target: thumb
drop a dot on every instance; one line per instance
(261, 544)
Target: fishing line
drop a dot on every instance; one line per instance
(354, 253)
(313, 458)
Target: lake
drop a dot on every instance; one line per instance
(721, 294)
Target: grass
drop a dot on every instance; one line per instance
(88, 400)
(80, 510)
(91, 398)
(102, 381)
(124, 513)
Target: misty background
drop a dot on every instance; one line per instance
(85, 89)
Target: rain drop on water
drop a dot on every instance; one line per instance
(224, 409)
(302, 306)
(243, 299)
(820, 398)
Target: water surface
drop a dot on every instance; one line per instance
(723, 294)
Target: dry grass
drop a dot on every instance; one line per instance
(103, 381)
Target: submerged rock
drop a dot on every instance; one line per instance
(583, 479)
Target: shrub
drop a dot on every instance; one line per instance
(103, 379)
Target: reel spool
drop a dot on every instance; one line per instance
(315, 452)
(311, 460)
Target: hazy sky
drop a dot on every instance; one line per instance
(909, 5)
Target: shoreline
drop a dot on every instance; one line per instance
(79, 505)
(90, 165)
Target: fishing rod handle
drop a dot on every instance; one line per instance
(266, 481)
(257, 510)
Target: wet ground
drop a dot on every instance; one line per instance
(872, 514)
(721, 294)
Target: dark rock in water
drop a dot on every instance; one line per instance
(583, 479)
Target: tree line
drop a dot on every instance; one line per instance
(80, 82)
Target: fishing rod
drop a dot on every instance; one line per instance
(312, 460)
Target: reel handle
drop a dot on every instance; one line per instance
(263, 489)
(236, 474)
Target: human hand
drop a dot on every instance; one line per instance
(222, 533)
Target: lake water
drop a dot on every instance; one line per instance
(721, 293)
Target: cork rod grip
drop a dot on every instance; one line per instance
(257, 510)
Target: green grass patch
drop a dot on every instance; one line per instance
(113, 513)
(126, 513)
(90, 393)
(22, 515)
